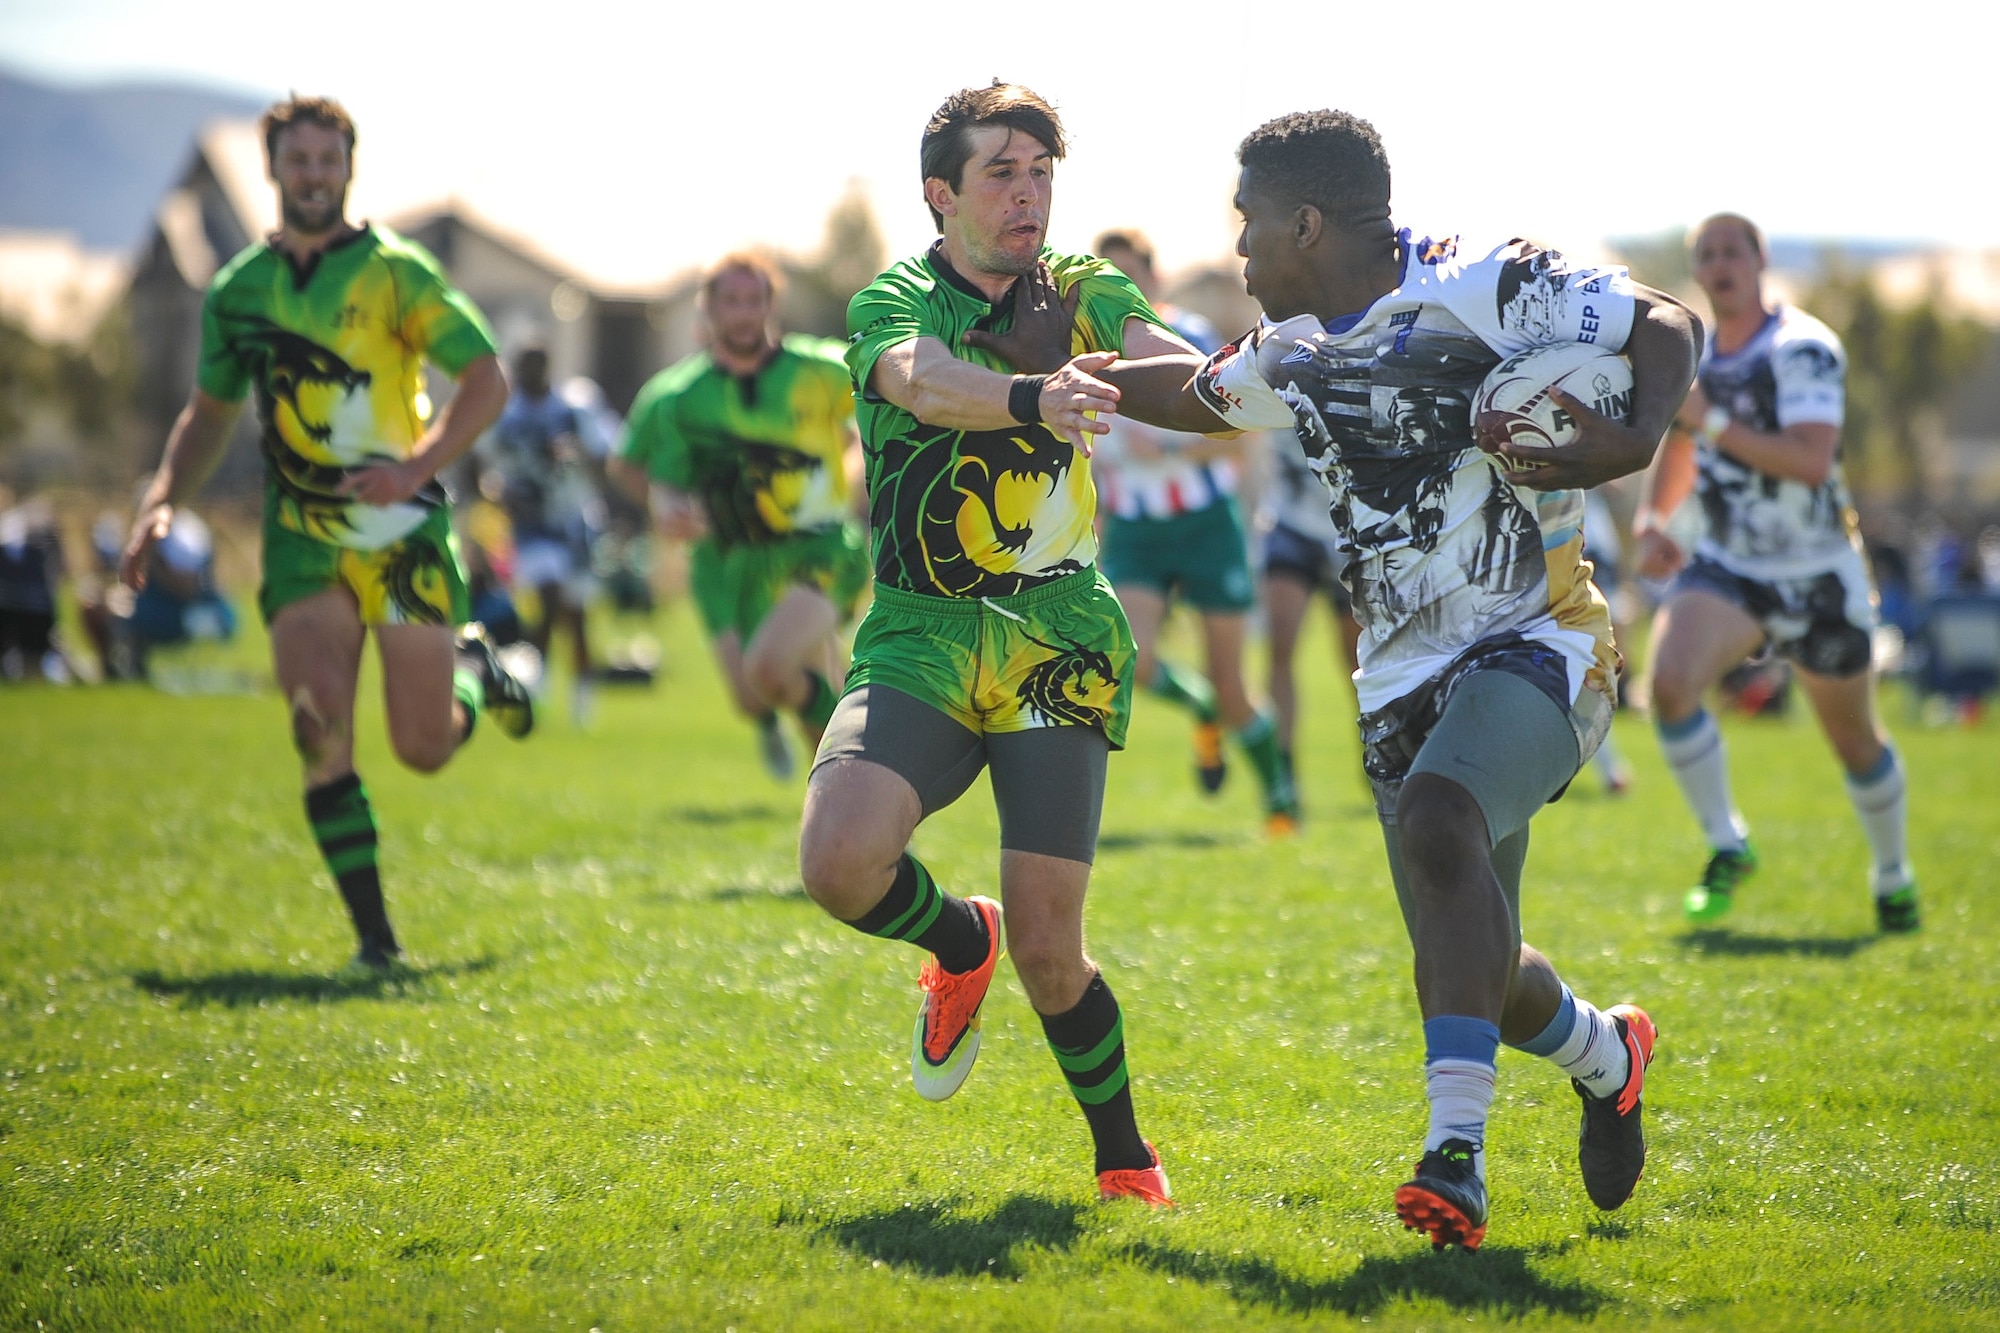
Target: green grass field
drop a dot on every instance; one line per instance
(641, 1082)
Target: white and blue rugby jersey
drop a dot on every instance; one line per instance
(1791, 371)
(1447, 552)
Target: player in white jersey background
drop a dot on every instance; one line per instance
(1778, 567)
(1487, 665)
(1172, 530)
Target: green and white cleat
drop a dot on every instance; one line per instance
(1896, 901)
(1710, 900)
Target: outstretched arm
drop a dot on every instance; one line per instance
(922, 377)
(1663, 348)
(195, 445)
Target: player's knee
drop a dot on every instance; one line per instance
(837, 872)
(769, 677)
(1439, 826)
(423, 753)
(1675, 697)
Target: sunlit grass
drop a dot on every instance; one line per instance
(638, 1081)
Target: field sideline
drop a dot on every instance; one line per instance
(641, 1082)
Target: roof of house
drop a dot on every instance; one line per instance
(54, 287)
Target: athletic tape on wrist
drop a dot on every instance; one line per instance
(1024, 398)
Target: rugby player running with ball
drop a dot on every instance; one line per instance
(1487, 669)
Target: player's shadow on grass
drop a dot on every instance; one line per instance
(248, 987)
(1182, 838)
(1496, 1280)
(1733, 944)
(733, 893)
(712, 816)
(933, 1239)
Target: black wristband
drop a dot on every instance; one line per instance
(1024, 398)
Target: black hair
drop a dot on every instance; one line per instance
(1329, 159)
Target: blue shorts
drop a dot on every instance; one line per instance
(1824, 621)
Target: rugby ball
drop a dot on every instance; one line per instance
(1515, 398)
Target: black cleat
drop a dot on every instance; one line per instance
(1447, 1199)
(1611, 1143)
(1897, 912)
(508, 702)
(377, 958)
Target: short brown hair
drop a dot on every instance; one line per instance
(745, 261)
(1126, 238)
(296, 110)
(1751, 231)
(947, 145)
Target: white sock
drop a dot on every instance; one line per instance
(1593, 1054)
(1882, 801)
(1461, 1093)
(1694, 751)
(1606, 761)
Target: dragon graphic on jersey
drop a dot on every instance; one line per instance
(1058, 689)
(418, 585)
(287, 363)
(971, 515)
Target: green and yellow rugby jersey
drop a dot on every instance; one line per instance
(976, 513)
(335, 351)
(763, 452)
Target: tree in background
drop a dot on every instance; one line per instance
(1904, 362)
(64, 408)
(1902, 366)
(850, 257)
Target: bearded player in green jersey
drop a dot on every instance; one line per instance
(750, 441)
(330, 324)
(993, 641)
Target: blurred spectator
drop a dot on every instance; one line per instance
(31, 569)
(179, 603)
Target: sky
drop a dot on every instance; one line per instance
(638, 140)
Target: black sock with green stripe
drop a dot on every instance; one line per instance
(916, 911)
(344, 827)
(1089, 1042)
(1185, 687)
(817, 711)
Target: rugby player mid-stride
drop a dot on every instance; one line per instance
(330, 324)
(1487, 668)
(1779, 566)
(993, 641)
(750, 442)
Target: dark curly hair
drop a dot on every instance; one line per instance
(1329, 159)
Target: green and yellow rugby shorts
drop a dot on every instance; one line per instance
(1060, 655)
(708, 583)
(833, 562)
(415, 580)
